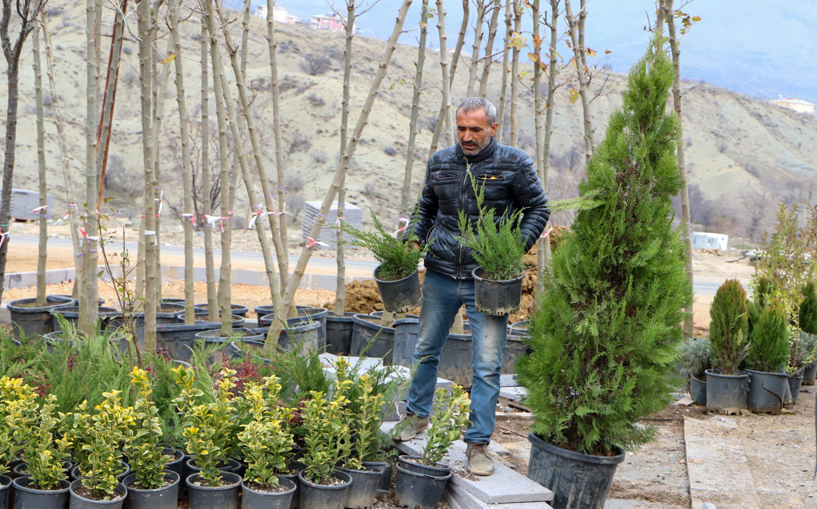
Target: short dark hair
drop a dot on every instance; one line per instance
(479, 103)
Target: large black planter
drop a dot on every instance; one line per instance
(218, 337)
(386, 470)
(399, 296)
(316, 496)
(166, 497)
(301, 333)
(29, 320)
(725, 391)
(76, 472)
(26, 497)
(231, 466)
(794, 386)
(405, 340)
(363, 491)
(415, 464)
(258, 499)
(418, 490)
(497, 298)
(177, 463)
(219, 497)
(766, 391)
(339, 333)
(697, 389)
(5, 490)
(71, 315)
(305, 313)
(370, 339)
(294, 469)
(179, 339)
(237, 309)
(79, 501)
(578, 481)
(810, 373)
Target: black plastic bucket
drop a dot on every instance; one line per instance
(697, 389)
(794, 386)
(217, 336)
(766, 391)
(339, 333)
(71, 314)
(179, 338)
(316, 496)
(165, 497)
(305, 313)
(237, 309)
(724, 391)
(5, 490)
(386, 470)
(399, 296)
(255, 499)
(455, 357)
(370, 339)
(31, 320)
(497, 298)
(578, 481)
(80, 502)
(514, 350)
(297, 332)
(405, 340)
(363, 491)
(810, 373)
(28, 497)
(418, 490)
(220, 497)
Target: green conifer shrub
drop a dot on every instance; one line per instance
(605, 339)
(729, 328)
(695, 353)
(769, 345)
(807, 318)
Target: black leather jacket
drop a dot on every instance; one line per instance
(510, 182)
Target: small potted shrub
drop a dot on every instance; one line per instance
(328, 442)
(807, 321)
(729, 336)
(498, 246)
(209, 428)
(768, 353)
(266, 442)
(396, 276)
(150, 486)
(695, 361)
(801, 354)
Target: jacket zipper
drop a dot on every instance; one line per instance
(462, 207)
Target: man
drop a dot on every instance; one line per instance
(511, 184)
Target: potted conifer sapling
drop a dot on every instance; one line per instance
(768, 353)
(695, 355)
(605, 337)
(726, 387)
(807, 320)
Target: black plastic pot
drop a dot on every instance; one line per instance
(725, 391)
(30, 320)
(418, 490)
(5, 490)
(179, 338)
(26, 497)
(399, 296)
(794, 385)
(455, 357)
(810, 373)
(21, 470)
(237, 309)
(177, 463)
(514, 350)
(339, 333)
(76, 473)
(405, 340)
(216, 336)
(219, 497)
(385, 473)
(297, 332)
(370, 339)
(766, 391)
(578, 481)
(697, 389)
(255, 499)
(497, 298)
(71, 314)
(363, 491)
(305, 313)
(80, 502)
(166, 497)
(295, 469)
(269, 309)
(415, 464)
(316, 496)
(519, 329)
(232, 466)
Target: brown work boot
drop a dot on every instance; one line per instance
(478, 461)
(411, 426)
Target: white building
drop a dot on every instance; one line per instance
(792, 103)
(279, 15)
(702, 240)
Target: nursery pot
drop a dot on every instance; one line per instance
(237, 309)
(418, 490)
(455, 357)
(165, 497)
(217, 336)
(339, 333)
(305, 313)
(370, 339)
(697, 389)
(80, 497)
(399, 296)
(415, 464)
(219, 497)
(299, 332)
(71, 314)
(254, 498)
(29, 319)
(177, 463)
(295, 468)
(21, 470)
(26, 497)
(810, 373)
(578, 481)
(405, 340)
(363, 491)
(232, 466)
(794, 385)
(179, 338)
(385, 473)
(77, 474)
(317, 496)
(5, 490)
(766, 391)
(726, 391)
(497, 298)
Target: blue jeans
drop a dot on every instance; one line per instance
(442, 298)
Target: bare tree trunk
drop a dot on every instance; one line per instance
(340, 282)
(689, 325)
(444, 119)
(517, 27)
(576, 26)
(159, 92)
(146, 91)
(472, 72)
(212, 299)
(489, 49)
(283, 261)
(42, 250)
(415, 110)
(70, 194)
(500, 114)
(455, 56)
(306, 252)
(541, 162)
(187, 169)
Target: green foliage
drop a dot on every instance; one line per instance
(17, 418)
(398, 260)
(328, 438)
(266, 439)
(807, 315)
(142, 445)
(45, 450)
(695, 356)
(364, 410)
(729, 328)
(606, 334)
(449, 417)
(769, 347)
(497, 244)
(802, 347)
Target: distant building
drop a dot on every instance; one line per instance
(332, 22)
(703, 240)
(279, 15)
(792, 103)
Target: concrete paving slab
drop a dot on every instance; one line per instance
(508, 381)
(713, 457)
(459, 499)
(503, 487)
(637, 504)
(513, 393)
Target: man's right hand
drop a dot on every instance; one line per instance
(415, 245)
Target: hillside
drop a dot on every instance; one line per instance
(738, 150)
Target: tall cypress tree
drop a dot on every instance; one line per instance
(605, 337)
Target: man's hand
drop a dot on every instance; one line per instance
(415, 245)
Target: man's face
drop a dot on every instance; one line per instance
(473, 130)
